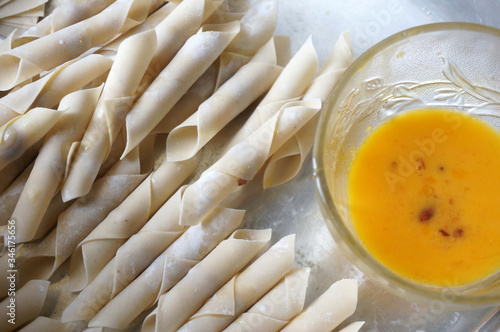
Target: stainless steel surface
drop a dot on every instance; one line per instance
(292, 208)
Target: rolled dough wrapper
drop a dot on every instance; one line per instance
(257, 26)
(329, 310)
(9, 198)
(20, 20)
(24, 306)
(216, 75)
(68, 13)
(114, 154)
(63, 81)
(20, 133)
(292, 83)
(15, 168)
(132, 59)
(244, 289)
(287, 161)
(133, 257)
(184, 21)
(76, 222)
(337, 62)
(49, 219)
(229, 64)
(192, 60)
(7, 43)
(204, 279)
(110, 49)
(232, 98)
(242, 162)
(30, 10)
(46, 53)
(10, 24)
(168, 269)
(42, 324)
(49, 90)
(190, 101)
(224, 17)
(16, 7)
(6, 31)
(353, 327)
(52, 162)
(100, 246)
(277, 308)
(283, 45)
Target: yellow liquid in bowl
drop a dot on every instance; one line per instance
(424, 196)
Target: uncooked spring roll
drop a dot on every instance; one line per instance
(200, 91)
(100, 246)
(131, 259)
(76, 222)
(20, 20)
(242, 162)
(168, 269)
(184, 21)
(8, 43)
(46, 53)
(52, 162)
(229, 64)
(109, 50)
(204, 279)
(64, 15)
(15, 168)
(9, 198)
(233, 97)
(12, 8)
(20, 133)
(244, 289)
(132, 60)
(24, 305)
(329, 310)
(49, 219)
(257, 27)
(226, 66)
(192, 60)
(340, 57)
(223, 17)
(49, 90)
(114, 154)
(174, 23)
(277, 308)
(292, 83)
(288, 160)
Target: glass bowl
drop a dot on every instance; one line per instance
(453, 65)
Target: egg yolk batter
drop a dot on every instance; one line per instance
(424, 196)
